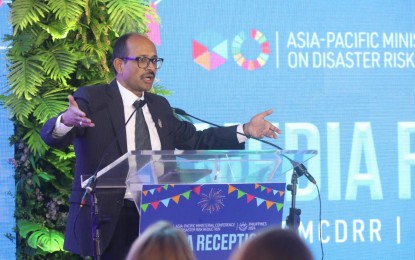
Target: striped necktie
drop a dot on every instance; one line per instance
(142, 135)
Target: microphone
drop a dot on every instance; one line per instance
(298, 167)
(302, 170)
(91, 182)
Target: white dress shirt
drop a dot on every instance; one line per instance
(128, 99)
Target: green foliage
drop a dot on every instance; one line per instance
(49, 105)
(40, 237)
(56, 46)
(25, 75)
(59, 62)
(27, 12)
(121, 13)
(66, 10)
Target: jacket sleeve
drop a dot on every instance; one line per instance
(57, 143)
(214, 138)
(81, 96)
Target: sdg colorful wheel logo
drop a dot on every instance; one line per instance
(210, 50)
(241, 60)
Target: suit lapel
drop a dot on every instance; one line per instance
(116, 112)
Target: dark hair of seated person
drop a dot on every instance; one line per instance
(273, 244)
(161, 241)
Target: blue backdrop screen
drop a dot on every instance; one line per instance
(7, 184)
(340, 79)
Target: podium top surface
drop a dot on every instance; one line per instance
(199, 166)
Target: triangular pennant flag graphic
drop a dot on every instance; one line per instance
(186, 194)
(165, 187)
(269, 204)
(281, 193)
(279, 206)
(274, 192)
(176, 199)
(231, 189)
(166, 202)
(268, 190)
(152, 191)
(257, 185)
(196, 190)
(145, 192)
(158, 189)
(259, 201)
(240, 193)
(155, 204)
(221, 49)
(198, 49)
(144, 207)
(249, 198)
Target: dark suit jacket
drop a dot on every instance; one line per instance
(103, 104)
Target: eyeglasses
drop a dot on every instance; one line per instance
(143, 61)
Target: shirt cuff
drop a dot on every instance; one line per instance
(239, 132)
(60, 129)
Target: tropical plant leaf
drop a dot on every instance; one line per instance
(46, 176)
(68, 10)
(41, 237)
(100, 31)
(35, 142)
(160, 90)
(20, 108)
(94, 49)
(58, 62)
(59, 29)
(25, 75)
(129, 15)
(62, 161)
(50, 105)
(35, 181)
(26, 12)
(22, 43)
(61, 155)
(25, 227)
(47, 240)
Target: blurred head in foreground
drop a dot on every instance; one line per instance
(273, 244)
(161, 241)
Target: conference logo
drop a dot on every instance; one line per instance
(263, 56)
(210, 50)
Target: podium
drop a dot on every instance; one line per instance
(189, 172)
(136, 168)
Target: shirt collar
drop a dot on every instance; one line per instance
(128, 97)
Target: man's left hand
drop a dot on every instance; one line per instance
(258, 127)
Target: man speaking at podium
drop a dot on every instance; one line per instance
(96, 123)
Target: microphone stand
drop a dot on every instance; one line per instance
(293, 219)
(96, 235)
(90, 189)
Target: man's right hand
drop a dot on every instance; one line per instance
(73, 116)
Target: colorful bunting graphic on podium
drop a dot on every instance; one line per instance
(259, 201)
(212, 201)
(166, 201)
